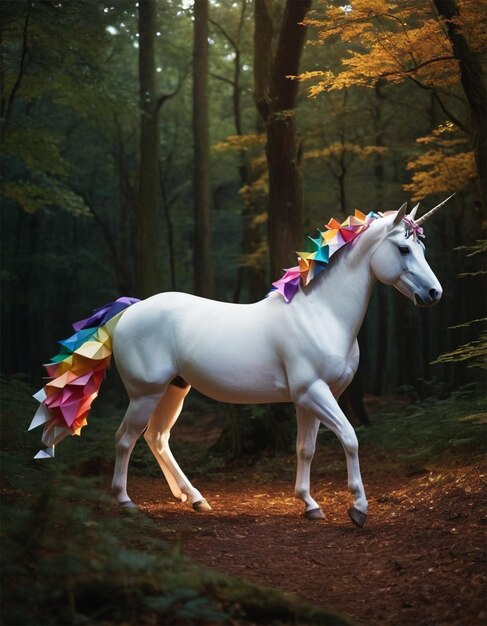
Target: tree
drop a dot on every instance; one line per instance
(201, 178)
(390, 43)
(59, 103)
(147, 266)
(275, 97)
(469, 47)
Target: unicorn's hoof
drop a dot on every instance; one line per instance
(201, 506)
(314, 514)
(128, 505)
(357, 517)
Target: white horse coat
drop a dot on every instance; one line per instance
(303, 352)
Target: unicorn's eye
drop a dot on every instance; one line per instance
(404, 249)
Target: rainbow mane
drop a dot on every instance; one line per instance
(321, 249)
(75, 375)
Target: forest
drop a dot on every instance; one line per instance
(194, 146)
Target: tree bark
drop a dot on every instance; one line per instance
(275, 97)
(203, 281)
(147, 266)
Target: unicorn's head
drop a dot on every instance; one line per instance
(399, 258)
(397, 255)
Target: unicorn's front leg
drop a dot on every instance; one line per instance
(308, 427)
(319, 401)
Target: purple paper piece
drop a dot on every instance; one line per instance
(290, 289)
(104, 313)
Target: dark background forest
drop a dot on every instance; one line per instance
(134, 161)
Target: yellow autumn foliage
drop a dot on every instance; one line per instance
(239, 143)
(338, 148)
(435, 172)
(394, 41)
(447, 165)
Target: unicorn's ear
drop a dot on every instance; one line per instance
(400, 214)
(412, 215)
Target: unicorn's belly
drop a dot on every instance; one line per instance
(236, 383)
(234, 367)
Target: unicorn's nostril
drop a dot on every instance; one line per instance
(433, 294)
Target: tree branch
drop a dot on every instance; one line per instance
(442, 105)
(105, 229)
(21, 67)
(230, 39)
(167, 96)
(224, 79)
(418, 66)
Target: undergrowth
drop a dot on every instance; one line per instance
(414, 438)
(69, 557)
(66, 559)
(434, 433)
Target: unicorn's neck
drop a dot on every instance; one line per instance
(344, 289)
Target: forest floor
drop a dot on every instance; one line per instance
(69, 557)
(420, 559)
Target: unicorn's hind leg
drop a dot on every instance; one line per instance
(135, 421)
(157, 437)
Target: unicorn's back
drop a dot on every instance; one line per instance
(227, 351)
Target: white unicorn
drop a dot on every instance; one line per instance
(302, 351)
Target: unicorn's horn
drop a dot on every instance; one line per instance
(413, 212)
(426, 216)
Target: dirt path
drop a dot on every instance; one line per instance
(421, 559)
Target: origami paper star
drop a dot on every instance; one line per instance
(288, 284)
(319, 251)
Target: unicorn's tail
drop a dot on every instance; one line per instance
(75, 376)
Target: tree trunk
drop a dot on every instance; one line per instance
(275, 96)
(285, 219)
(147, 272)
(203, 283)
(473, 78)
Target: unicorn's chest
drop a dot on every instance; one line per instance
(319, 336)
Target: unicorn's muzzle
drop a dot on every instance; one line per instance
(432, 297)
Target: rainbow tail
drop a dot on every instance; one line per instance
(75, 376)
